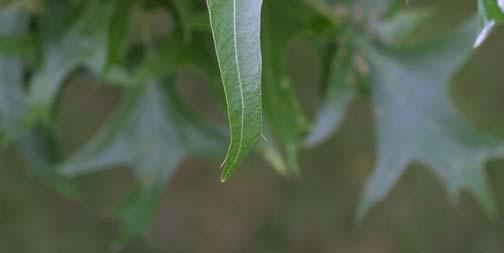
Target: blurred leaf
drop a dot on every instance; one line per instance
(152, 133)
(282, 110)
(183, 12)
(236, 27)
(340, 91)
(370, 7)
(34, 145)
(416, 121)
(11, 81)
(395, 29)
(164, 60)
(117, 40)
(271, 152)
(346, 69)
(22, 46)
(83, 43)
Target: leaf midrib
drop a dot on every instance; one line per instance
(240, 84)
(227, 171)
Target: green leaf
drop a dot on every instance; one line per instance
(152, 133)
(83, 43)
(494, 9)
(416, 121)
(19, 45)
(236, 28)
(117, 41)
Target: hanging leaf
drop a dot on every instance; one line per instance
(151, 133)
(416, 121)
(236, 27)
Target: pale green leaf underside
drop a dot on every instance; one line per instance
(340, 91)
(83, 44)
(11, 95)
(236, 30)
(416, 120)
(343, 80)
(151, 133)
(33, 145)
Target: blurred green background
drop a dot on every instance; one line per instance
(259, 211)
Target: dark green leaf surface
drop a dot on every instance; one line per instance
(117, 40)
(18, 45)
(183, 12)
(151, 133)
(494, 9)
(416, 120)
(236, 28)
(164, 60)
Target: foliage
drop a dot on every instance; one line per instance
(365, 51)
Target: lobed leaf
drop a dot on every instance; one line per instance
(416, 120)
(345, 69)
(151, 133)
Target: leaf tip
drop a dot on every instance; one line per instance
(485, 32)
(362, 211)
(225, 176)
